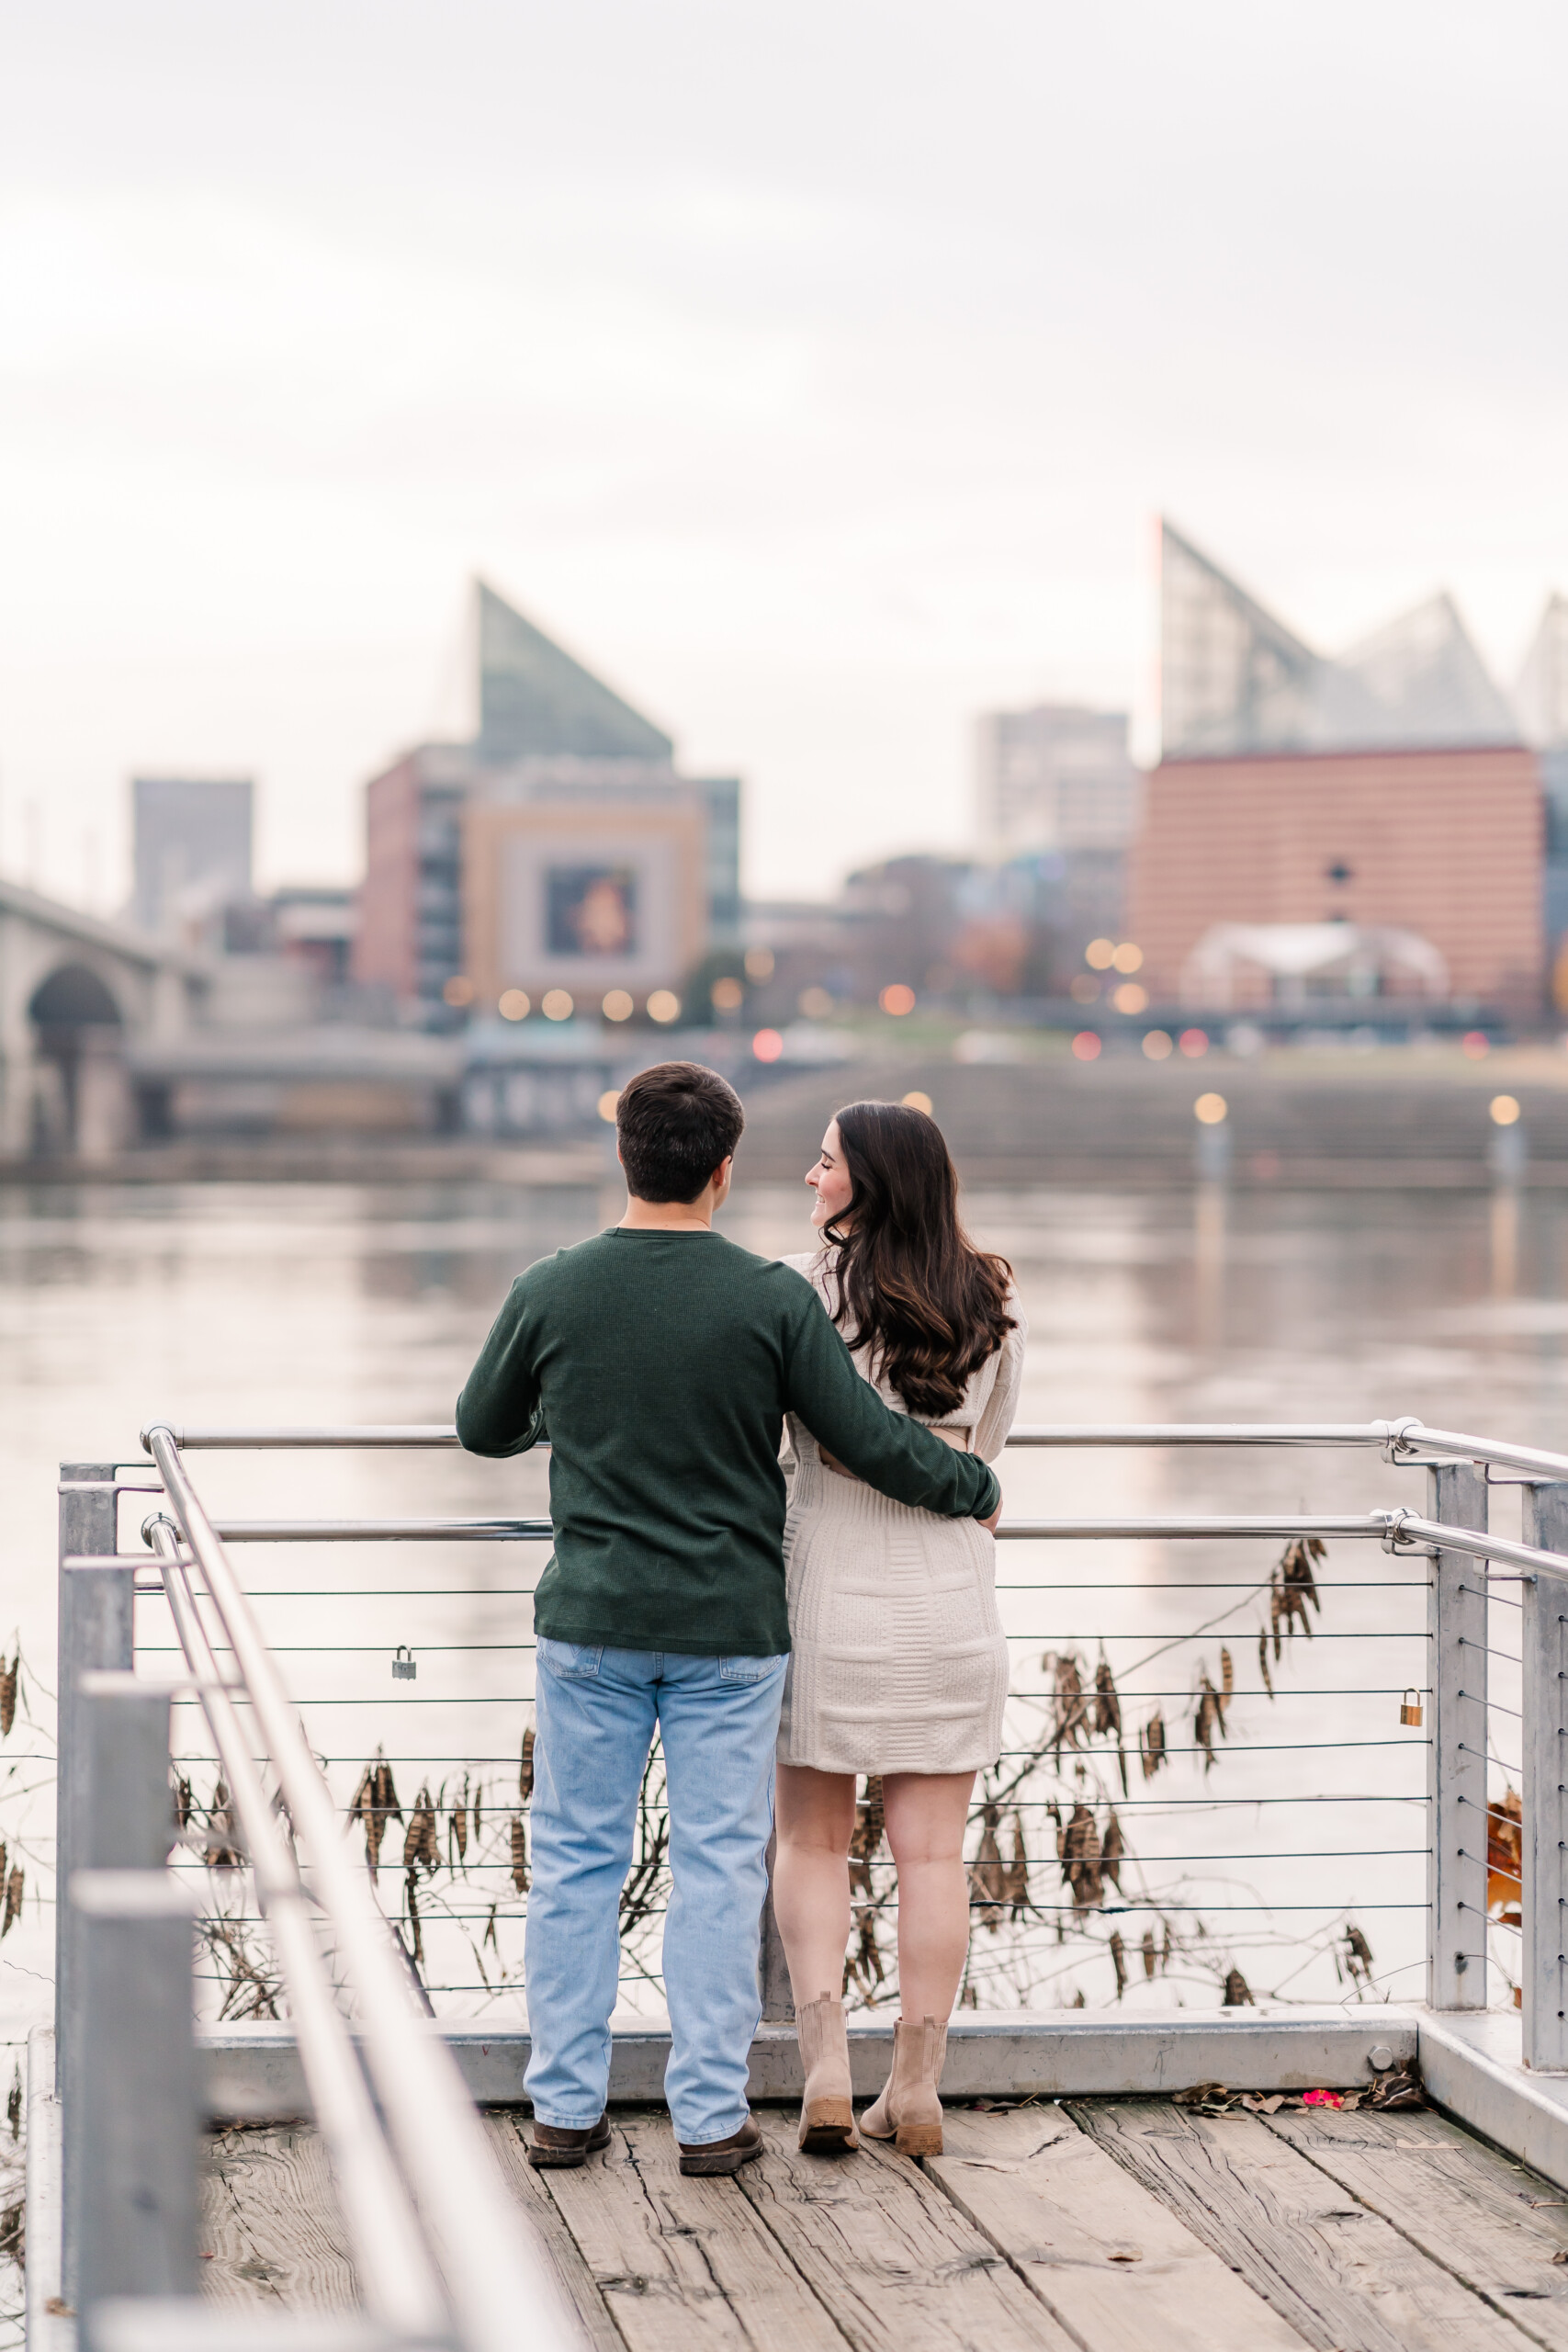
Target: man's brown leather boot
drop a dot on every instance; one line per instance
(554, 2150)
(723, 2156)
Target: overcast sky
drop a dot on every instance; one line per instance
(815, 374)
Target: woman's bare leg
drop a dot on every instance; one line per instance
(815, 1818)
(926, 1813)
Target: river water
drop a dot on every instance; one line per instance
(299, 1304)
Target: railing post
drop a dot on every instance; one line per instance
(1543, 1977)
(1455, 1759)
(95, 1607)
(137, 2161)
(127, 1826)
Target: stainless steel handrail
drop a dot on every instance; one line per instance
(1196, 1526)
(498, 2285)
(398, 2281)
(1048, 1531)
(1405, 1440)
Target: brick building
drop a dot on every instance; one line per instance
(1447, 844)
(1387, 787)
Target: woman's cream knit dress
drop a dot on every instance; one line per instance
(898, 1662)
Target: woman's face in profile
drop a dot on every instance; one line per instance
(829, 1180)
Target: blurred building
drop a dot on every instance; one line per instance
(561, 849)
(1542, 699)
(191, 853)
(1056, 777)
(1387, 788)
(313, 926)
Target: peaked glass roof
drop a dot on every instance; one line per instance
(1233, 679)
(534, 698)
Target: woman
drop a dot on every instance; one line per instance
(899, 1665)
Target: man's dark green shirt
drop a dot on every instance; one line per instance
(659, 1366)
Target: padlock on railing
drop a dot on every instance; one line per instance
(1410, 1708)
(404, 1667)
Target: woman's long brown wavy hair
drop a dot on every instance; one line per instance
(912, 1286)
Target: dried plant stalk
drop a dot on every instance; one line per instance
(987, 1877)
(222, 1847)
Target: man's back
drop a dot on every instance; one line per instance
(660, 1364)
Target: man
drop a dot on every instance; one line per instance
(660, 1360)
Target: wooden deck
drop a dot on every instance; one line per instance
(1111, 2225)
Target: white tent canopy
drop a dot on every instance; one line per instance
(1354, 959)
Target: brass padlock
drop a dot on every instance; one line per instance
(1410, 1708)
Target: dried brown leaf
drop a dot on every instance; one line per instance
(1015, 1884)
(1081, 1860)
(1107, 1701)
(987, 1876)
(525, 1769)
(519, 1855)
(1113, 1850)
(865, 1838)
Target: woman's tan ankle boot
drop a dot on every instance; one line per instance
(826, 2115)
(910, 2112)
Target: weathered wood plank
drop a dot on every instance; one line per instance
(270, 2221)
(889, 2254)
(505, 2132)
(1104, 2256)
(1343, 2277)
(683, 2265)
(1465, 2204)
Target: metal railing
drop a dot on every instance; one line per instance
(437, 2245)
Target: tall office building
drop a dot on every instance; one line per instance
(1385, 787)
(562, 848)
(1055, 777)
(191, 851)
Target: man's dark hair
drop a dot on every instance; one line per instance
(674, 1123)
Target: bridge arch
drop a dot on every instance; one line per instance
(81, 1105)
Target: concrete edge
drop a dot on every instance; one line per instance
(1468, 2069)
(252, 2072)
(46, 2331)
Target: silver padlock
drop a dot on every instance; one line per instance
(404, 1667)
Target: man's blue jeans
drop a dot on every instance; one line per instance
(596, 1713)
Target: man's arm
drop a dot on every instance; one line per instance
(897, 1455)
(500, 1410)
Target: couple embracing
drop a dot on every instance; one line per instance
(785, 1618)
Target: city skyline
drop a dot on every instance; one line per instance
(824, 408)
